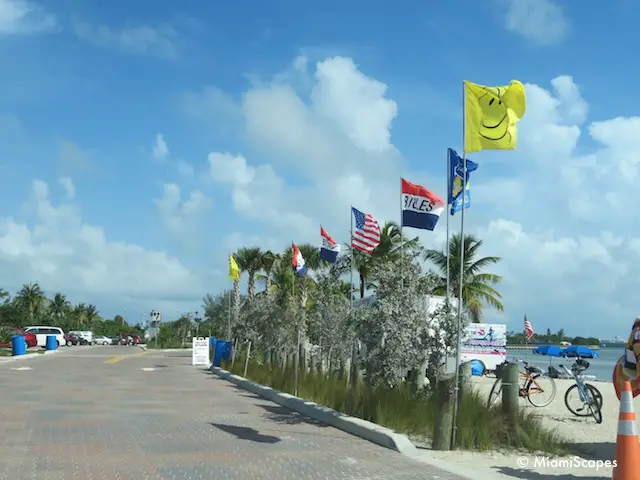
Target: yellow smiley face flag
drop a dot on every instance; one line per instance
(491, 114)
(234, 270)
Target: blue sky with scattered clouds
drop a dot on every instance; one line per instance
(139, 145)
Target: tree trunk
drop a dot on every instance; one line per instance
(251, 287)
(236, 301)
(361, 284)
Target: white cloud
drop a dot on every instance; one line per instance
(20, 17)
(54, 246)
(541, 21)
(138, 40)
(181, 216)
(69, 187)
(160, 149)
(555, 213)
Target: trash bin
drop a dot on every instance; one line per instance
(52, 342)
(222, 351)
(18, 345)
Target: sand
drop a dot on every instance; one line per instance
(593, 443)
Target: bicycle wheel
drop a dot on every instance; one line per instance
(494, 395)
(594, 407)
(583, 411)
(540, 390)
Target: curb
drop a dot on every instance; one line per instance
(27, 356)
(355, 426)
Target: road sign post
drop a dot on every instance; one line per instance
(156, 319)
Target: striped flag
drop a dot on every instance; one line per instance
(528, 329)
(366, 236)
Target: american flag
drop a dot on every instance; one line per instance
(528, 329)
(366, 236)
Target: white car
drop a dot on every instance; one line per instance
(42, 332)
(102, 340)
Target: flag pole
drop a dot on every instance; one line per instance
(461, 273)
(229, 322)
(401, 243)
(448, 215)
(352, 368)
(297, 356)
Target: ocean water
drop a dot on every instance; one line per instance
(601, 368)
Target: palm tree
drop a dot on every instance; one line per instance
(391, 241)
(268, 260)
(32, 299)
(477, 286)
(79, 312)
(90, 313)
(250, 260)
(59, 307)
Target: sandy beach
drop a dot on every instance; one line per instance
(592, 442)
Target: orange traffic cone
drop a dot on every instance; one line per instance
(627, 458)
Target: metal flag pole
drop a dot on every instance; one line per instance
(401, 243)
(461, 273)
(448, 212)
(297, 356)
(352, 368)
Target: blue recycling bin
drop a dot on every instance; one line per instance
(52, 342)
(18, 345)
(222, 351)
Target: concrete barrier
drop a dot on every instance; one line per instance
(355, 426)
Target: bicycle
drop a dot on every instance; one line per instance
(589, 395)
(533, 379)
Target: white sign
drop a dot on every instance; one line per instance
(201, 351)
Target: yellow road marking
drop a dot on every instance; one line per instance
(122, 357)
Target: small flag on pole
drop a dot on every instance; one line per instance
(330, 249)
(366, 236)
(234, 270)
(491, 114)
(421, 208)
(528, 329)
(455, 176)
(299, 267)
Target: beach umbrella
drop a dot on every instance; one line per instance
(549, 350)
(579, 351)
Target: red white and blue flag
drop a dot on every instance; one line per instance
(330, 249)
(299, 267)
(366, 236)
(421, 208)
(528, 329)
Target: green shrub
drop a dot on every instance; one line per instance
(400, 409)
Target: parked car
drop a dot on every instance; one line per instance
(102, 340)
(43, 332)
(86, 334)
(30, 339)
(130, 339)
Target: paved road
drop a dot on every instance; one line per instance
(93, 413)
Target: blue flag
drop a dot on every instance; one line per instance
(455, 182)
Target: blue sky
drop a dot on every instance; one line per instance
(139, 146)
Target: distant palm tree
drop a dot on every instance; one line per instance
(477, 286)
(390, 246)
(59, 307)
(91, 314)
(268, 260)
(32, 299)
(79, 312)
(249, 260)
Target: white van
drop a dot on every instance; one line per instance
(41, 334)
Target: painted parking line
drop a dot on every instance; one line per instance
(122, 357)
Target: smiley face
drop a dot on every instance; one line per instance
(499, 108)
(495, 121)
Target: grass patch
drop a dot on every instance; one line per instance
(401, 410)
